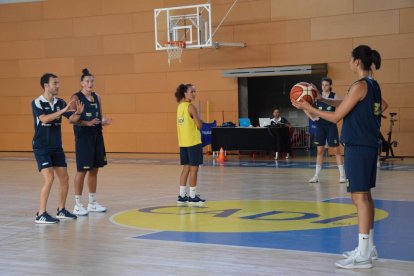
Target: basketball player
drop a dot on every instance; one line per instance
(89, 142)
(326, 132)
(361, 114)
(47, 145)
(189, 141)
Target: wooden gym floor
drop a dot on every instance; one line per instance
(259, 219)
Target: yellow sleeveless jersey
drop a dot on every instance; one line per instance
(188, 133)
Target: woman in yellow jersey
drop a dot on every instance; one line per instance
(189, 141)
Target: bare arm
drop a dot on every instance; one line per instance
(384, 105)
(332, 102)
(356, 93)
(194, 114)
(53, 116)
(77, 114)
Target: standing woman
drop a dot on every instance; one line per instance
(189, 141)
(361, 114)
(89, 142)
(326, 132)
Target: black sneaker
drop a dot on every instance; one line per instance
(65, 214)
(45, 218)
(196, 200)
(182, 200)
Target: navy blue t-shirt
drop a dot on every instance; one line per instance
(91, 111)
(325, 107)
(48, 135)
(361, 127)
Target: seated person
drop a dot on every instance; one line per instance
(278, 119)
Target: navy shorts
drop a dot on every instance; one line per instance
(192, 156)
(360, 168)
(327, 133)
(47, 158)
(90, 151)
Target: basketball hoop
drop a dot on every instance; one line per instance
(174, 50)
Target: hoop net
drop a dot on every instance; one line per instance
(174, 50)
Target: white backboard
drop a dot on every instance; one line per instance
(191, 24)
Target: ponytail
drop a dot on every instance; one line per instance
(367, 56)
(179, 92)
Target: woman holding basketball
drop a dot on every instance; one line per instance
(361, 114)
(189, 141)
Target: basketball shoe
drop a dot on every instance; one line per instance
(355, 261)
(196, 200)
(182, 200)
(314, 179)
(96, 207)
(373, 254)
(45, 218)
(65, 214)
(80, 210)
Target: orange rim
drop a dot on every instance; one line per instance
(180, 44)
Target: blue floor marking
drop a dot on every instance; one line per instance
(393, 235)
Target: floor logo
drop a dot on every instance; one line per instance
(244, 216)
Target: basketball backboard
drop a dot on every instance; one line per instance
(190, 24)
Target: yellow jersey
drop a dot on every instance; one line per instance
(188, 133)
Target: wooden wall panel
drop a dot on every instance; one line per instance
(273, 32)
(44, 29)
(129, 43)
(21, 12)
(202, 79)
(136, 83)
(8, 31)
(398, 95)
(407, 70)
(155, 102)
(119, 104)
(103, 25)
(120, 142)
(74, 47)
(16, 141)
(108, 64)
(355, 25)
(9, 68)
(71, 9)
(390, 46)
(235, 57)
(128, 6)
(19, 49)
(143, 22)
(294, 9)
(158, 62)
(37, 67)
(377, 5)
(406, 118)
(311, 52)
(407, 20)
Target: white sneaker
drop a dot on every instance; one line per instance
(96, 207)
(80, 210)
(373, 254)
(342, 179)
(314, 179)
(355, 261)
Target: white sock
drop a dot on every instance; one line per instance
(363, 240)
(192, 192)
(182, 191)
(318, 170)
(341, 170)
(371, 238)
(92, 198)
(78, 200)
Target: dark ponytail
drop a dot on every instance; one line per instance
(85, 73)
(179, 92)
(367, 56)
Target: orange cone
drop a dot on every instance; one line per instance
(221, 157)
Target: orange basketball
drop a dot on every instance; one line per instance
(303, 91)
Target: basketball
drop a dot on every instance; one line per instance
(303, 91)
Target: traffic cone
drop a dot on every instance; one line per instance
(221, 157)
